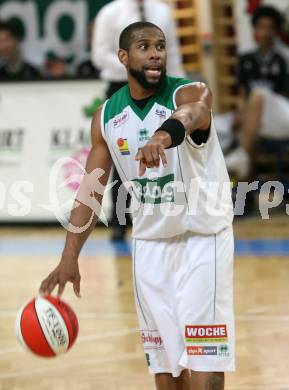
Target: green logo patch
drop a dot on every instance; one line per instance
(155, 191)
(224, 350)
(143, 135)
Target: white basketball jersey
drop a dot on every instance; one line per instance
(191, 193)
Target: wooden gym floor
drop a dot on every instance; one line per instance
(108, 354)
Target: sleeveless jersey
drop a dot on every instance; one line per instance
(192, 193)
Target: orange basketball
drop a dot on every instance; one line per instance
(46, 326)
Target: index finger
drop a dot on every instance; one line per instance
(142, 167)
(61, 287)
(51, 286)
(47, 286)
(163, 155)
(139, 155)
(43, 287)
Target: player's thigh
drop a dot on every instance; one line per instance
(205, 304)
(154, 294)
(205, 282)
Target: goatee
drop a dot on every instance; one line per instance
(139, 76)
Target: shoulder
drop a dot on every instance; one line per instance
(97, 127)
(192, 92)
(97, 115)
(174, 83)
(115, 104)
(96, 120)
(169, 88)
(180, 91)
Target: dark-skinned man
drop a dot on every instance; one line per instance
(159, 133)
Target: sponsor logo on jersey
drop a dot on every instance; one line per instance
(151, 339)
(161, 112)
(207, 350)
(206, 334)
(223, 350)
(120, 119)
(143, 135)
(155, 191)
(123, 146)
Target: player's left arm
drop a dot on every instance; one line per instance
(194, 103)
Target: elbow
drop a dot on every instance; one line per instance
(205, 94)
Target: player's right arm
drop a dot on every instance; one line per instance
(98, 159)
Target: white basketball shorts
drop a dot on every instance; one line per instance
(184, 299)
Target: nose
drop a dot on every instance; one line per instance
(154, 53)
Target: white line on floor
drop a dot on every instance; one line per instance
(92, 315)
(91, 362)
(83, 339)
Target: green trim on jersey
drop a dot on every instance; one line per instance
(155, 191)
(122, 99)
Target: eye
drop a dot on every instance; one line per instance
(161, 46)
(143, 46)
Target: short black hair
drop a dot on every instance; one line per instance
(125, 38)
(267, 11)
(11, 28)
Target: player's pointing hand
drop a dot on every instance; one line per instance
(152, 153)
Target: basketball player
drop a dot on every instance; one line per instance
(120, 13)
(182, 233)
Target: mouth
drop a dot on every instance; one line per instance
(153, 71)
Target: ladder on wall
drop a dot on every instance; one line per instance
(225, 52)
(186, 18)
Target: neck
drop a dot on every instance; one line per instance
(137, 91)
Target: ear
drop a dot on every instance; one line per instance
(123, 57)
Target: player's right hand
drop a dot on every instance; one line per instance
(150, 155)
(66, 271)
